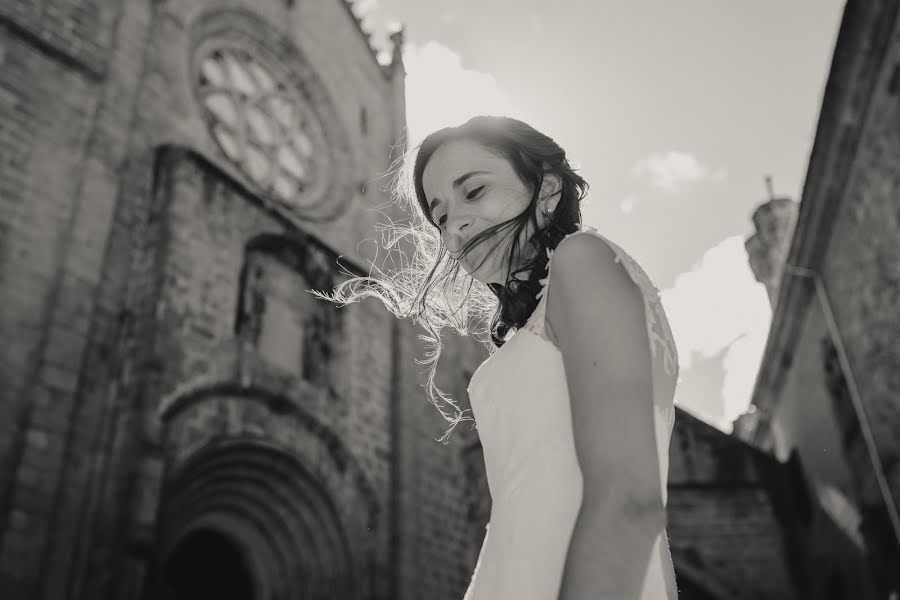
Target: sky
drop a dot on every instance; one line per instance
(675, 112)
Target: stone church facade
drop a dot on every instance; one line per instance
(179, 416)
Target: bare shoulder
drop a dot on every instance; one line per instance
(588, 286)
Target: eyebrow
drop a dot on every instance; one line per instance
(458, 182)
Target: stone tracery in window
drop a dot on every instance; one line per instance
(261, 124)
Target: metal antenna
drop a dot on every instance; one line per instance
(769, 187)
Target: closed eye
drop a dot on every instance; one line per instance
(470, 196)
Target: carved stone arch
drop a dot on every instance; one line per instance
(307, 544)
(333, 454)
(287, 528)
(295, 513)
(293, 84)
(214, 579)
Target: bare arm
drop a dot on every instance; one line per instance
(597, 315)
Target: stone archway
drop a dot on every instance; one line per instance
(256, 507)
(207, 563)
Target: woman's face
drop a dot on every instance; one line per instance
(470, 189)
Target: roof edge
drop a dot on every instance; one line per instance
(862, 37)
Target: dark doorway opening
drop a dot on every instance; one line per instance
(207, 564)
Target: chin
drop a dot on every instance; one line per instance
(483, 274)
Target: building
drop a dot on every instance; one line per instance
(175, 175)
(179, 418)
(829, 386)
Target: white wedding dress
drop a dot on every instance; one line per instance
(520, 402)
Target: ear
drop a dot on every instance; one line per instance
(551, 190)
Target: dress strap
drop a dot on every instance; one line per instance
(662, 341)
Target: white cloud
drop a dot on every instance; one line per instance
(383, 57)
(362, 8)
(627, 205)
(672, 171)
(718, 305)
(440, 92)
(365, 12)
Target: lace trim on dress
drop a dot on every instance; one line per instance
(658, 330)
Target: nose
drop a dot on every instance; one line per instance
(458, 233)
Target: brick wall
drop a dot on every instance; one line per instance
(861, 274)
(861, 270)
(439, 483)
(90, 95)
(125, 230)
(729, 516)
(54, 157)
(846, 233)
(77, 33)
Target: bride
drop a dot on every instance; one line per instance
(574, 407)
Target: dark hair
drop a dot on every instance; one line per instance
(407, 292)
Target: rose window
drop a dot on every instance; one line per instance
(262, 125)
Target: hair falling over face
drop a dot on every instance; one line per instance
(428, 288)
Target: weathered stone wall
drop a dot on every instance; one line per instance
(731, 514)
(820, 426)
(125, 230)
(147, 350)
(861, 277)
(63, 121)
(843, 310)
(861, 271)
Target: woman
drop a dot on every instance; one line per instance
(574, 409)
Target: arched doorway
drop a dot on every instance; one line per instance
(207, 564)
(280, 523)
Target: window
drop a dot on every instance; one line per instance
(261, 125)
